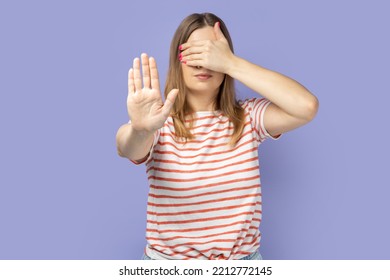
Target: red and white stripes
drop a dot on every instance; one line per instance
(205, 196)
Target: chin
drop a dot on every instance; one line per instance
(203, 89)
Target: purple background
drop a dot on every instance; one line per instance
(66, 194)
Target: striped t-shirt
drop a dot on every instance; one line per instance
(205, 196)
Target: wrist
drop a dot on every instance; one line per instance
(232, 66)
(141, 131)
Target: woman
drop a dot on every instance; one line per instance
(200, 146)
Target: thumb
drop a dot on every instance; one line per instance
(169, 101)
(218, 32)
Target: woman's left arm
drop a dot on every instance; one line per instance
(292, 104)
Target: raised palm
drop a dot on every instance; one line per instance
(146, 109)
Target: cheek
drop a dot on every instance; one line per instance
(185, 73)
(220, 78)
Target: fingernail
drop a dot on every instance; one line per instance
(180, 56)
(180, 47)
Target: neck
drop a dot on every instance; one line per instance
(202, 101)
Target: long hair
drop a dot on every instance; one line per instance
(226, 98)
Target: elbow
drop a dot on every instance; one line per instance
(120, 153)
(118, 149)
(118, 143)
(312, 108)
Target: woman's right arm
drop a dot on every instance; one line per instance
(146, 110)
(132, 144)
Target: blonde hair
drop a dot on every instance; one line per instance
(226, 98)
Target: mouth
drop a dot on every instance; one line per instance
(203, 76)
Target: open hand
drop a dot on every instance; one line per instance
(144, 103)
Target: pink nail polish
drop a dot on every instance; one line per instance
(180, 47)
(180, 56)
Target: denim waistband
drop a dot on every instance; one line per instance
(254, 256)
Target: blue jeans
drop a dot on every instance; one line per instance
(254, 256)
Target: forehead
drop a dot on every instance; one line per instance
(204, 33)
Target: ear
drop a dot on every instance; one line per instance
(218, 31)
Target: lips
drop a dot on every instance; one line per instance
(203, 76)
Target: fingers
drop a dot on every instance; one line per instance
(171, 97)
(194, 59)
(194, 50)
(197, 43)
(145, 70)
(195, 63)
(147, 74)
(137, 74)
(131, 81)
(195, 53)
(154, 74)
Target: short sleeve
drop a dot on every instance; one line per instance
(256, 108)
(149, 155)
